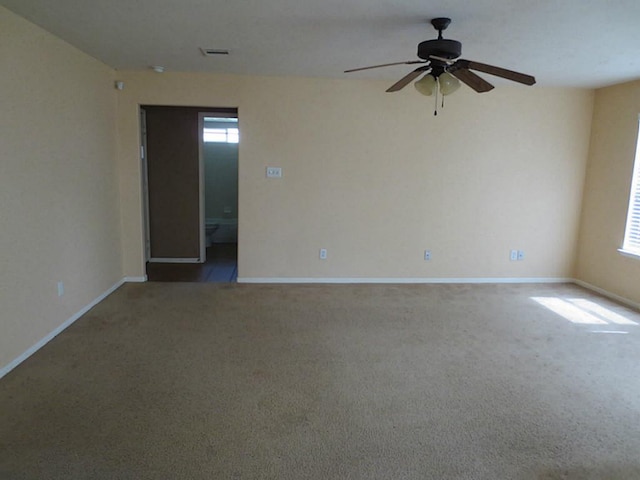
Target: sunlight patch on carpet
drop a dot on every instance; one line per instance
(584, 312)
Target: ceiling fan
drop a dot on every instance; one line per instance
(442, 68)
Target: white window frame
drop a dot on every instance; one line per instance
(221, 135)
(631, 242)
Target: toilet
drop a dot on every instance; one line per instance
(210, 228)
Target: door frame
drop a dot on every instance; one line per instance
(203, 226)
(224, 112)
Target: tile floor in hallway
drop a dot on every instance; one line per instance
(221, 266)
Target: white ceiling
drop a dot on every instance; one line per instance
(584, 43)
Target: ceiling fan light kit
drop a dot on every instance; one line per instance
(448, 83)
(445, 83)
(426, 85)
(442, 70)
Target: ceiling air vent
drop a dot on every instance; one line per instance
(212, 52)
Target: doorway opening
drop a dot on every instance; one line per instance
(219, 141)
(189, 159)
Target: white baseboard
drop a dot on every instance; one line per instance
(605, 293)
(174, 260)
(51, 335)
(340, 280)
(135, 279)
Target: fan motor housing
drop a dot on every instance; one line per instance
(442, 47)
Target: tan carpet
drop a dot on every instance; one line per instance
(205, 381)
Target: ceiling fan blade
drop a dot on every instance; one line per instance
(498, 72)
(410, 62)
(476, 82)
(407, 79)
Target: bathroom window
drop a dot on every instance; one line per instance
(631, 242)
(221, 135)
(220, 130)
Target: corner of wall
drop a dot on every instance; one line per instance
(580, 234)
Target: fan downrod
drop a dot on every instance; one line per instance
(440, 24)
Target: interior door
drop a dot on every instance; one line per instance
(174, 183)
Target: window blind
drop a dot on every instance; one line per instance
(632, 231)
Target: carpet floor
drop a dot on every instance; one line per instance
(236, 381)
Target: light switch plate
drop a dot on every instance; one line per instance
(274, 172)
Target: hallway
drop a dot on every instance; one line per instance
(221, 266)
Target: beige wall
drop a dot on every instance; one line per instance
(59, 213)
(607, 186)
(375, 178)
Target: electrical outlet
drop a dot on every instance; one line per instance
(274, 172)
(323, 254)
(520, 255)
(60, 289)
(427, 254)
(513, 255)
